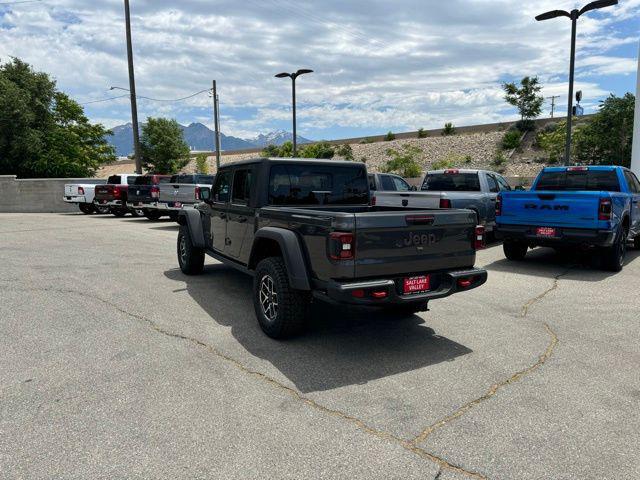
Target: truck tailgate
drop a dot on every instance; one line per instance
(391, 243)
(407, 199)
(178, 192)
(551, 209)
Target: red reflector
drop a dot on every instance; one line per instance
(358, 293)
(445, 203)
(423, 219)
(577, 169)
(373, 200)
(605, 210)
(381, 294)
(155, 192)
(499, 205)
(341, 246)
(197, 193)
(452, 171)
(465, 282)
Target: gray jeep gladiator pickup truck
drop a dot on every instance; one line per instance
(305, 231)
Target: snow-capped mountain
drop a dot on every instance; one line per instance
(276, 138)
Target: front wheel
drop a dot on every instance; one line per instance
(137, 212)
(190, 257)
(118, 212)
(281, 310)
(86, 208)
(152, 214)
(102, 210)
(613, 257)
(515, 250)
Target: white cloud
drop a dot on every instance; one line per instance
(409, 64)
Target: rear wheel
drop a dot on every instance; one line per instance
(190, 258)
(137, 212)
(118, 212)
(86, 208)
(281, 310)
(102, 210)
(613, 257)
(636, 242)
(152, 214)
(515, 250)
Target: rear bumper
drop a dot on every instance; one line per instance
(109, 203)
(75, 199)
(565, 236)
(143, 205)
(171, 206)
(448, 285)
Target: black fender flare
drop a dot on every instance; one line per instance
(191, 219)
(291, 253)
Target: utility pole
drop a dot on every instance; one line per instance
(635, 151)
(132, 90)
(553, 103)
(216, 120)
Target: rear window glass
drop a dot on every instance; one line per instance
(591, 180)
(318, 185)
(451, 182)
(205, 179)
(164, 179)
(144, 181)
(114, 180)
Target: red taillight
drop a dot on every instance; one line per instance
(479, 242)
(358, 293)
(116, 191)
(197, 193)
(80, 191)
(605, 210)
(155, 192)
(341, 246)
(380, 294)
(465, 282)
(373, 200)
(498, 205)
(445, 203)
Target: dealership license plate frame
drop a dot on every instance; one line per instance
(416, 285)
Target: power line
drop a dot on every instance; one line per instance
(20, 1)
(148, 98)
(104, 100)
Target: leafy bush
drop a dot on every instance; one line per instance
(443, 164)
(468, 159)
(366, 140)
(389, 137)
(201, 164)
(317, 150)
(511, 140)
(364, 159)
(499, 161)
(163, 147)
(271, 151)
(526, 125)
(404, 163)
(345, 151)
(422, 133)
(553, 142)
(448, 129)
(452, 160)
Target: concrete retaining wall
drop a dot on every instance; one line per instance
(40, 195)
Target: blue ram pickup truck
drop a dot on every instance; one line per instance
(596, 207)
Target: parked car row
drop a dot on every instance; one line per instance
(318, 230)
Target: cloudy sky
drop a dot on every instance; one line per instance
(379, 65)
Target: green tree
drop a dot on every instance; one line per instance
(317, 150)
(345, 151)
(44, 133)
(404, 163)
(606, 139)
(526, 98)
(448, 129)
(201, 163)
(163, 147)
(422, 133)
(389, 136)
(271, 151)
(552, 141)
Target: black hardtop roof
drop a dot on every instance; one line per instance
(292, 161)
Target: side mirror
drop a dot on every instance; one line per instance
(519, 188)
(205, 194)
(413, 188)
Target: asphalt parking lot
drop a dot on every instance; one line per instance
(113, 364)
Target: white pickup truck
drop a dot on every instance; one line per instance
(83, 194)
(389, 190)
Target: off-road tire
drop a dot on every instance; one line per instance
(137, 212)
(102, 210)
(86, 208)
(515, 251)
(190, 258)
(292, 306)
(613, 257)
(152, 215)
(118, 212)
(636, 242)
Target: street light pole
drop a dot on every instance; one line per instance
(216, 121)
(132, 90)
(293, 77)
(573, 16)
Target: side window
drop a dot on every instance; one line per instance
(222, 187)
(241, 187)
(372, 182)
(503, 184)
(493, 184)
(632, 181)
(387, 183)
(400, 184)
(131, 180)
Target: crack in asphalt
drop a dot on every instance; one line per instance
(553, 342)
(360, 424)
